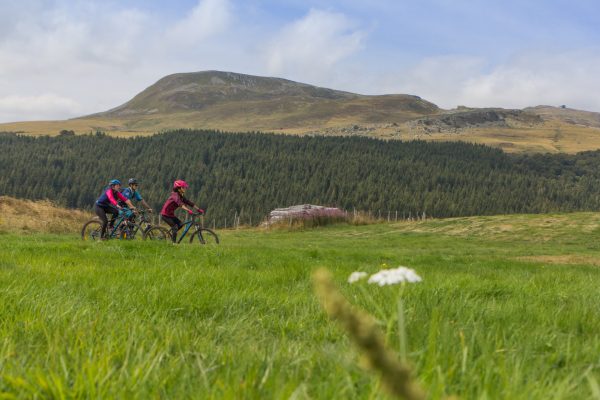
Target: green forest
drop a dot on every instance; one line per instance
(249, 174)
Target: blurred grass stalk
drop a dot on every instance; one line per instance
(396, 376)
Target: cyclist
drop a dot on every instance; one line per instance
(176, 200)
(132, 193)
(107, 203)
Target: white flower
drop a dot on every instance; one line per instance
(394, 276)
(357, 276)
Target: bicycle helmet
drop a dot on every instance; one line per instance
(133, 181)
(114, 182)
(180, 184)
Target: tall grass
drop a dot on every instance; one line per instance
(239, 320)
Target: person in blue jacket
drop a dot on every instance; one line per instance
(131, 193)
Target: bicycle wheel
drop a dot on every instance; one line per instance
(131, 232)
(92, 230)
(205, 236)
(144, 225)
(157, 233)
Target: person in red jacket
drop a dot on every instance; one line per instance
(176, 200)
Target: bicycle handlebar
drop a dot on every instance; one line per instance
(128, 211)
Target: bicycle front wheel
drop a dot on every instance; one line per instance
(205, 236)
(92, 230)
(157, 233)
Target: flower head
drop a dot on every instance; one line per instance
(357, 276)
(394, 276)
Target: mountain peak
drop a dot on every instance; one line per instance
(256, 95)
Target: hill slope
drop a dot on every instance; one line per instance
(237, 102)
(243, 102)
(19, 215)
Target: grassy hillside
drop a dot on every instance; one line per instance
(506, 309)
(18, 216)
(236, 102)
(549, 137)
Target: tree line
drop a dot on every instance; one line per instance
(249, 174)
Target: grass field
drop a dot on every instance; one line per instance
(508, 309)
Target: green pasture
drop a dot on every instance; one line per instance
(508, 309)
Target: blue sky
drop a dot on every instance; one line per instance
(60, 59)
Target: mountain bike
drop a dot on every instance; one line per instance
(200, 234)
(123, 228)
(141, 224)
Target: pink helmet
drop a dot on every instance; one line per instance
(180, 184)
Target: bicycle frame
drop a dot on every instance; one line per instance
(113, 232)
(188, 225)
(117, 224)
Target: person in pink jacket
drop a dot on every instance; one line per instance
(176, 200)
(108, 203)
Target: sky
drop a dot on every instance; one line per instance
(61, 59)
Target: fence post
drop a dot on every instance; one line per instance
(388, 215)
(396, 215)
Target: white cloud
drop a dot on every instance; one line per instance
(435, 79)
(310, 47)
(209, 17)
(63, 58)
(44, 106)
(569, 78)
(528, 79)
(84, 51)
(100, 53)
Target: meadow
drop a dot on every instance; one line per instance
(507, 309)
